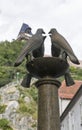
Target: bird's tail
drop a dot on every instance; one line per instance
(19, 60)
(74, 59)
(26, 80)
(68, 79)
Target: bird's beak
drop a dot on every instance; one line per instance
(43, 32)
(49, 32)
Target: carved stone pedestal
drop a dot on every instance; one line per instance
(46, 69)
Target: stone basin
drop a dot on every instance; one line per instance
(47, 66)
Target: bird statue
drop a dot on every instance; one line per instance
(24, 34)
(34, 47)
(34, 43)
(61, 48)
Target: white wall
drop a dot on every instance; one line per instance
(63, 104)
(73, 119)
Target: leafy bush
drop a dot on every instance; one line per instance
(4, 124)
(9, 52)
(6, 75)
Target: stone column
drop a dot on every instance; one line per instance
(48, 105)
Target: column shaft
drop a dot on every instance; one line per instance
(48, 105)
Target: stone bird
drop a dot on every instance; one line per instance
(24, 34)
(26, 80)
(61, 48)
(34, 46)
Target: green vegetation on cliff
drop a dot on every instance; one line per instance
(4, 124)
(9, 51)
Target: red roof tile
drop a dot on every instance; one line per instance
(66, 92)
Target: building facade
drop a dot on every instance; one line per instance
(71, 118)
(66, 94)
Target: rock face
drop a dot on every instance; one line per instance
(9, 96)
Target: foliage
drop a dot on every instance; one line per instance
(2, 108)
(6, 75)
(0, 97)
(76, 73)
(29, 108)
(4, 124)
(9, 51)
(33, 92)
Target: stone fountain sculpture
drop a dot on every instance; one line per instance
(46, 70)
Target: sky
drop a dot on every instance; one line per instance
(64, 15)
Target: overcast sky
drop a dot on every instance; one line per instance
(64, 15)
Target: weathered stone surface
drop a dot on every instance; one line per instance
(9, 96)
(27, 100)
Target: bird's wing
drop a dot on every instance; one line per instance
(32, 44)
(62, 42)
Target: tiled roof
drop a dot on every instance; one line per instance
(68, 92)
